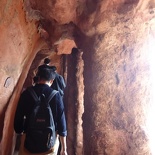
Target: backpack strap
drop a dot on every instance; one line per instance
(51, 95)
(33, 93)
(35, 97)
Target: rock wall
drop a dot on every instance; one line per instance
(114, 73)
(117, 77)
(19, 42)
(73, 99)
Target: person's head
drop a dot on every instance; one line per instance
(46, 75)
(35, 80)
(53, 68)
(47, 61)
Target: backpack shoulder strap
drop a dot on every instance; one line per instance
(35, 97)
(33, 94)
(51, 95)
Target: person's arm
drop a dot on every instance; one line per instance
(63, 146)
(60, 115)
(19, 116)
(24, 106)
(61, 123)
(63, 85)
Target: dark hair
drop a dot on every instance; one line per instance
(35, 79)
(53, 68)
(74, 50)
(46, 74)
(47, 61)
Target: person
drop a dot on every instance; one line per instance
(58, 83)
(45, 65)
(35, 80)
(25, 107)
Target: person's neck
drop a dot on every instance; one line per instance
(45, 82)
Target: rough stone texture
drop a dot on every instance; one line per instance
(118, 77)
(79, 103)
(115, 37)
(16, 53)
(74, 102)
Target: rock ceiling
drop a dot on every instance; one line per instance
(66, 20)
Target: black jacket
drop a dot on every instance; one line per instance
(59, 84)
(25, 107)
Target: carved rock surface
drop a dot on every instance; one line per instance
(112, 80)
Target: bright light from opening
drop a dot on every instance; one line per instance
(150, 124)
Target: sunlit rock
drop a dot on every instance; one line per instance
(104, 50)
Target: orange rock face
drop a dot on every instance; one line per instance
(16, 54)
(109, 93)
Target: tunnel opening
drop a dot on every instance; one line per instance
(118, 73)
(71, 67)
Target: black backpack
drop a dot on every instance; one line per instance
(41, 134)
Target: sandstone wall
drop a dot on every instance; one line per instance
(117, 77)
(18, 45)
(114, 73)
